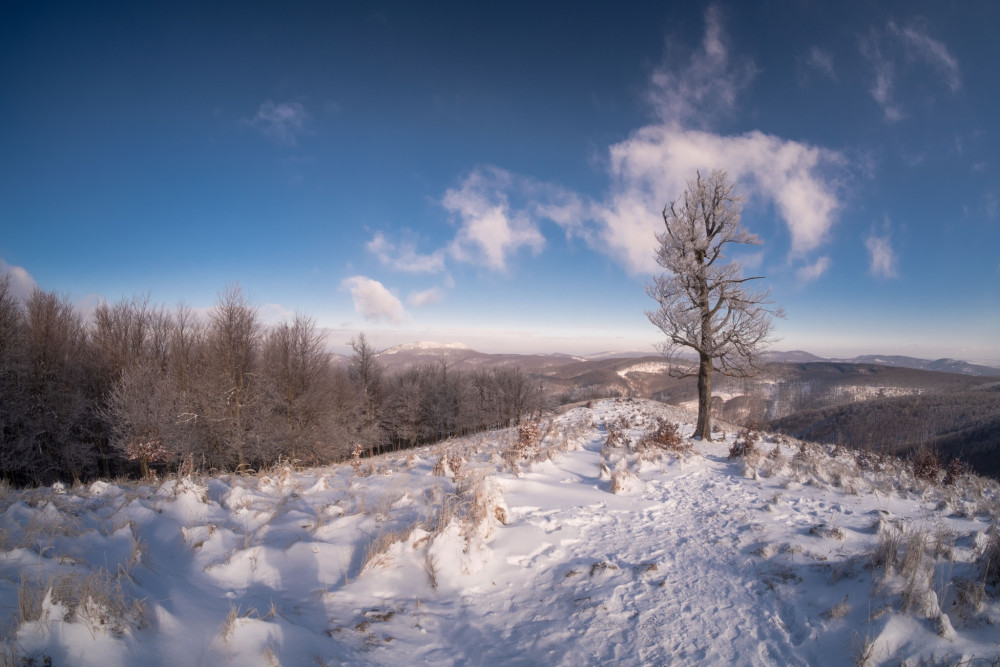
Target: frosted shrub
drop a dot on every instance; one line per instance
(869, 460)
(926, 464)
(666, 435)
(745, 445)
(482, 500)
(957, 470)
(528, 437)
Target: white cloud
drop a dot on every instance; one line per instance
(490, 229)
(373, 301)
(813, 271)
(21, 282)
(282, 123)
(655, 164)
(881, 255)
(425, 297)
(403, 256)
(921, 46)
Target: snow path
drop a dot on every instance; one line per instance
(666, 593)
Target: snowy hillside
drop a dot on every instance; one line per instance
(426, 347)
(582, 542)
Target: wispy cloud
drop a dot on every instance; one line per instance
(882, 257)
(820, 61)
(282, 123)
(22, 284)
(425, 297)
(707, 86)
(922, 47)
(885, 73)
(991, 204)
(899, 45)
(403, 256)
(373, 301)
(811, 272)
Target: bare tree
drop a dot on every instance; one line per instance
(55, 436)
(140, 409)
(706, 305)
(233, 341)
(298, 379)
(366, 375)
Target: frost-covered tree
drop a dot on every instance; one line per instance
(706, 304)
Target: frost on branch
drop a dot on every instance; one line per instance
(706, 305)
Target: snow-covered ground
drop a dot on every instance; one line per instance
(644, 367)
(498, 550)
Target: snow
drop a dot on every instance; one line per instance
(644, 367)
(512, 556)
(428, 347)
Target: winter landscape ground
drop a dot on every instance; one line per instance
(595, 538)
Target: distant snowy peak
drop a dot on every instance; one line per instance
(428, 347)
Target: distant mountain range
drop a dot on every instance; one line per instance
(940, 365)
(462, 356)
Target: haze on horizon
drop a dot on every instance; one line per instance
(495, 178)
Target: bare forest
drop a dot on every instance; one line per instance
(138, 387)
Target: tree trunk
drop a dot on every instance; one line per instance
(704, 427)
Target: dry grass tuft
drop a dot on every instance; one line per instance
(622, 478)
(988, 562)
(233, 618)
(376, 553)
(97, 599)
(839, 610)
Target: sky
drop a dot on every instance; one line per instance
(493, 174)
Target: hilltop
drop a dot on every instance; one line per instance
(582, 541)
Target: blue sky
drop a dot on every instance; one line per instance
(493, 174)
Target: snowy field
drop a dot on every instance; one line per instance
(552, 548)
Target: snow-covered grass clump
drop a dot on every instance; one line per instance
(601, 535)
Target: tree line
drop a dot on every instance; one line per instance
(138, 387)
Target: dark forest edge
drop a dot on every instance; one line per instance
(138, 388)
